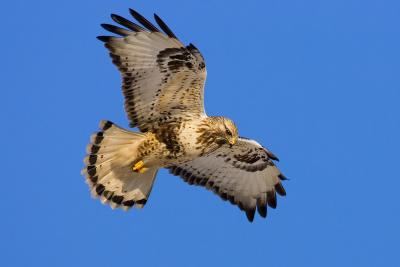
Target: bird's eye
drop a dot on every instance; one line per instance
(228, 132)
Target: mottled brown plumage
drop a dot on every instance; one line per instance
(163, 85)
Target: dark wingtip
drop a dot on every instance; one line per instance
(115, 17)
(250, 214)
(134, 12)
(272, 156)
(143, 21)
(164, 26)
(114, 29)
(271, 199)
(192, 46)
(157, 17)
(104, 39)
(105, 26)
(282, 177)
(126, 23)
(262, 210)
(280, 190)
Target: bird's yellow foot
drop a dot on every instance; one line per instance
(139, 167)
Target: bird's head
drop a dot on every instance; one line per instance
(226, 131)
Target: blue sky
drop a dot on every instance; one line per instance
(317, 82)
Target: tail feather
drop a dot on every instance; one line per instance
(109, 171)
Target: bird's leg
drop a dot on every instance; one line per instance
(139, 167)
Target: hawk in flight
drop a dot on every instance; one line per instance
(163, 85)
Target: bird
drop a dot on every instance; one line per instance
(163, 87)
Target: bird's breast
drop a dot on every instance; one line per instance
(181, 141)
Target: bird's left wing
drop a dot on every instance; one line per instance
(163, 80)
(243, 174)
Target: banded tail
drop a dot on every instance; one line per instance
(108, 169)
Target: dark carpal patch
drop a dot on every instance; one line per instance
(174, 59)
(248, 157)
(252, 160)
(178, 59)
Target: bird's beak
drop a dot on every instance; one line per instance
(232, 142)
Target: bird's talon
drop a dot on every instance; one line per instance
(139, 167)
(142, 170)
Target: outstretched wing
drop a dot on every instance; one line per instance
(163, 80)
(244, 174)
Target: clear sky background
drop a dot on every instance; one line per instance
(317, 82)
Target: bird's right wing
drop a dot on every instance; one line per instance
(244, 174)
(163, 80)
